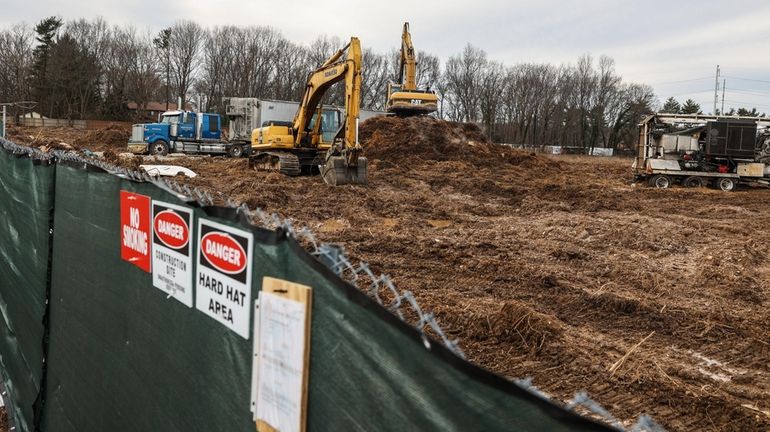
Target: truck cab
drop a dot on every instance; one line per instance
(179, 131)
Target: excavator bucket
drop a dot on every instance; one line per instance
(336, 171)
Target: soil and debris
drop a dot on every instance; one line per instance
(556, 268)
(63, 138)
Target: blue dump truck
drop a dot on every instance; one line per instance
(185, 132)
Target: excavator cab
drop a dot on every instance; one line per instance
(404, 103)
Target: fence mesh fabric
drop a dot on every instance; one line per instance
(26, 201)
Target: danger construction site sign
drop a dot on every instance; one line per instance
(172, 264)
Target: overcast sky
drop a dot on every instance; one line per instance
(672, 45)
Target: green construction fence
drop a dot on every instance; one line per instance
(88, 344)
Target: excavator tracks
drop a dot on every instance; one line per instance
(285, 163)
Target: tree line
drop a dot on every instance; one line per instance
(89, 69)
(672, 106)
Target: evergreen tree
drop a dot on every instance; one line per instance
(671, 106)
(73, 77)
(46, 30)
(690, 107)
(748, 113)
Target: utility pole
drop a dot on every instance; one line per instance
(716, 91)
(724, 83)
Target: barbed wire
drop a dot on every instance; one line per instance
(403, 303)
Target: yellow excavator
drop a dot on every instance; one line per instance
(404, 99)
(298, 147)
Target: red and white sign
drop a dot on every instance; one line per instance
(223, 274)
(135, 229)
(223, 252)
(172, 255)
(171, 229)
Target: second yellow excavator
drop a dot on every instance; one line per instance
(404, 99)
(298, 147)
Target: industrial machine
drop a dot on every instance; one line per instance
(696, 150)
(404, 99)
(299, 147)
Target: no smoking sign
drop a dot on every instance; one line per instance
(135, 229)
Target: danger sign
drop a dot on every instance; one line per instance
(171, 250)
(135, 229)
(223, 279)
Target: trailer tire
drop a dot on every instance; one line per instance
(661, 181)
(693, 182)
(159, 148)
(235, 151)
(726, 184)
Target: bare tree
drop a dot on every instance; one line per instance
(375, 76)
(184, 49)
(143, 82)
(218, 53)
(15, 64)
(489, 96)
(464, 75)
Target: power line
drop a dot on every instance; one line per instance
(692, 93)
(681, 81)
(747, 79)
(748, 104)
(764, 94)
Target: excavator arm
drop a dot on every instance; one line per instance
(408, 64)
(334, 70)
(343, 162)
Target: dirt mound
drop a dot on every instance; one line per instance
(415, 139)
(65, 138)
(110, 137)
(41, 138)
(514, 323)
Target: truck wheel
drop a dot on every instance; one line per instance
(693, 182)
(159, 147)
(235, 151)
(661, 181)
(726, 184)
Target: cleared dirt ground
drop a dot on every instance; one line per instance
(653, 301)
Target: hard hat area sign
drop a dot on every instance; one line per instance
(135, 229)
(171, 251)
(223, 277)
